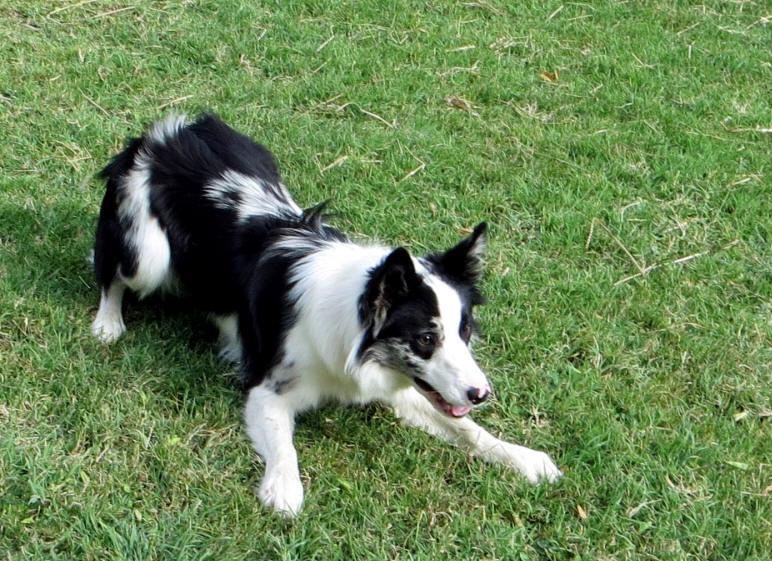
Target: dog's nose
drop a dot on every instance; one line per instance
(478, 395)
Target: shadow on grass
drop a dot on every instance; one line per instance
(169, 347)
(45, 273)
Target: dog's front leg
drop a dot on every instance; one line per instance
(270, 421)
(416, 411)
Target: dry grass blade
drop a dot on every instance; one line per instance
(641, 269)
(636, 509)
(377, 118)
(95, 104)
(113, 12)
(175, 101)
(327, 42)
(460, 103)
(482, 6)
(70, 7)
(337, 162)
(556, 12)
(763, 130)
(461, 49)
(413, 172)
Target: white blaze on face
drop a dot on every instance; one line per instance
(452, 370)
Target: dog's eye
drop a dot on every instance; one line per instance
(426, 340)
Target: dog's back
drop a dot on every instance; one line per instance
(176, 201)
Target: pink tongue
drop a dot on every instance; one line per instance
(459, 410)
(448, 408)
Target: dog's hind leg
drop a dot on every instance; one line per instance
(416, 411)
(108, 253)
(230, 341)
(132, 249)
(270, 421)
(108, 324)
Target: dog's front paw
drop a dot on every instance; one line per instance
(107, 327)
(534, 465)
(539, 466)
(283, 492)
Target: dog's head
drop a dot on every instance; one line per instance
(418, 319)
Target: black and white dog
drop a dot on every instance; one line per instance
(310, 315)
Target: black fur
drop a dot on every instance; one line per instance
(110, 249)
(217, 261)
(310, 315)
(225, 264)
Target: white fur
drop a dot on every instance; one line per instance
(327, 286)
(144, 234)
(147, 239)
(166, 128)
(256, 197)
(320, 365)
(452, 369)
(416, 411)
(270, 421)
(318, 357)
(108, 324)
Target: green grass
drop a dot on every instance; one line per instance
(652, 392)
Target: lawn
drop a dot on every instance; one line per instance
(621, 153)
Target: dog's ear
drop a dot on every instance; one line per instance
(389, 282)
(463, 263)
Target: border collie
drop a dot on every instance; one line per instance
(310, 315)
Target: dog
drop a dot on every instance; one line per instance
(309, 315)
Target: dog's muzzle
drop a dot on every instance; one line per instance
(475, 396)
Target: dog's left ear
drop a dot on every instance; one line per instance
(463, 263)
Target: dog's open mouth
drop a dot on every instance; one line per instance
(439, 402)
